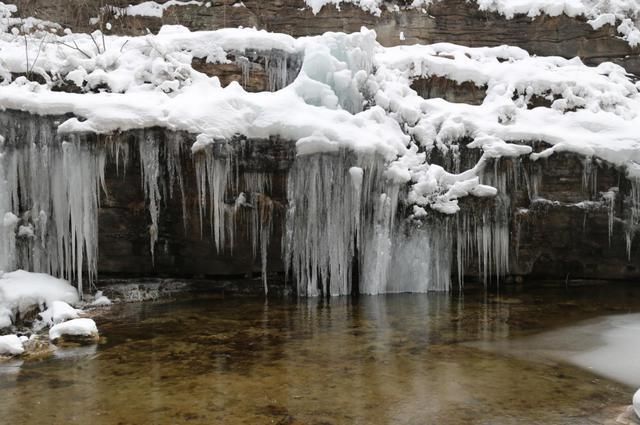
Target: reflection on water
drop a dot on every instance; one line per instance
(402, 359)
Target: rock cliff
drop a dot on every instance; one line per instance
(146, 202)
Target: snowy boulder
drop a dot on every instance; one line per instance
(636, 403)
(100, 300)
(11, 345)
(58, 312)
(23, 292)
(78, 331)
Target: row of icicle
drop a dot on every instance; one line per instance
(342, 218)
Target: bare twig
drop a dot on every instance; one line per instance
(123, 44)
(26, 50)
(75, 47)
(155, 48)
(37, 55)
(95, 43)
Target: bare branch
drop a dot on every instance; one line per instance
(95, 43)
(26, 50)
(74, 47)
(37, 55)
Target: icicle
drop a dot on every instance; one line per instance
(173, 153)
(633, 219)
(281, 69)
(150, 169)
(533, 180)
(421, 257)
(589, 177)
(212, 177)
(357, 176)
(84, 175)
(610, 200)
(245, 67)
(118, 153)
(321, 230)
(54, 188)
(377, 250)
(8, 223)
(262, 229)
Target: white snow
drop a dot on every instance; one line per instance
(75, 327)
(636, 403)
(100, 300)
(11, 345)
(150, 8)
(25, 231)
(21, 291)
(58, 312)
(594, 111)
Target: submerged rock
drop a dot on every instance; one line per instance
(627, 417)
(37, 348)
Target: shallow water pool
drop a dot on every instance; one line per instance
(399, 359)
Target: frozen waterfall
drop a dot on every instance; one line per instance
(345, 226)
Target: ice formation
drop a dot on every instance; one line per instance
(605, 345)
(368, 197)
(53, 187)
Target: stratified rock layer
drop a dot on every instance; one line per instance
(453, 21)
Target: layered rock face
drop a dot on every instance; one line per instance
(451, 21)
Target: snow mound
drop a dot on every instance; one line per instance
(636, 403)
(75, 327)
(59, 312)
(100, 300)
(21, 291)
(11, 345)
